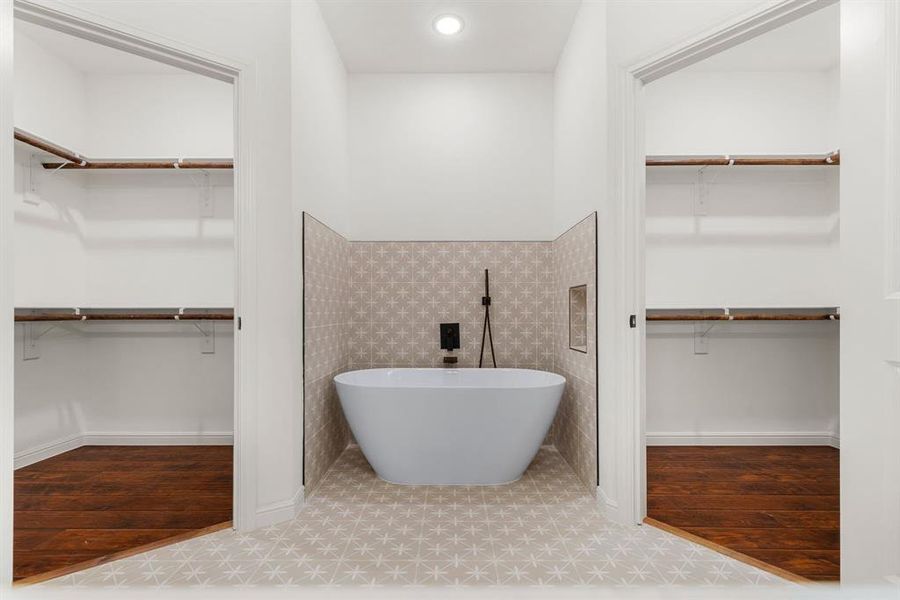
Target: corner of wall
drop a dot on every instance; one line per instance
(610, 508)
(581, 186)
(278, 512)
(319, 119)
(580, 118)
(329, 286)
(326, 293)
(41, 452)
(575, 426)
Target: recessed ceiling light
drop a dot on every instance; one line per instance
(448, 24)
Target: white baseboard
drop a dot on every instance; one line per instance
(744, 438)
(604, 501)
(277, 512)
(211, 438)
(610, 508)
(51, 449)
(45, 451)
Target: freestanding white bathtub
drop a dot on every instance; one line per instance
(449, 426)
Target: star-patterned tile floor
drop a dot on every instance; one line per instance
(357, 530)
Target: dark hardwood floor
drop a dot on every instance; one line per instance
(98, 501)
(777, 504)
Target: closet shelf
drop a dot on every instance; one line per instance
(24, 315)
(830, 159)
(172, 163)
(77, 161)
(721, 314)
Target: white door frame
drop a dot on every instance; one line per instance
(7, 326)
(629, 184)
(89, 26)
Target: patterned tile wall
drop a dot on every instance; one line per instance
(402, 291)
(574, 430)
(326, 293)
(379, 304)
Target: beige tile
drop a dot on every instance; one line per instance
(374, 304)
(359, 531)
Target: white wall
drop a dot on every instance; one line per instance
(742, 112)
(50, 261)
(148, 115)
(50, 397)
(639, 30)
(110, 383)
(769, 383)
(320, 162)
(7, 302)
(580, 182)
(870, 486)
(451, 156)
(769, 237)
(50, 99)
(145, 227)
(144, 230)
(82, 235)
(319, 121)
(121, 239)
(142, 115)
(152, 379)
(579, 120)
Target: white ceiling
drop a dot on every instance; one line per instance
(499, 36)
(812, 43)
(89, 57)
(396, 36)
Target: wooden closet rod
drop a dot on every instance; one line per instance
(49, 147)
(77, 161)
(122, 316)
(832, 159)
(761, 316)
(143, 164)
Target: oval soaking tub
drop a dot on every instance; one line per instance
(449, 426)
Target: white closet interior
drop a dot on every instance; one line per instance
(757, 241)
(113, 243)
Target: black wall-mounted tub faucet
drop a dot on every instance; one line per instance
(449, 336)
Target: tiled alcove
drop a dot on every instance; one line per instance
(379, 304)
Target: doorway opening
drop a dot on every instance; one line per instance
(131, 229)
(740, 430)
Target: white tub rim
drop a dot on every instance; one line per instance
(555, 379)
